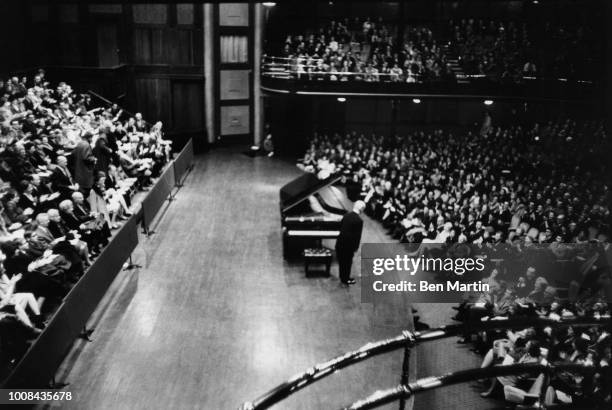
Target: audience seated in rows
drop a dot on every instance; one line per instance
(367, 50)
(531, 295)
(542, 184)
(536, 196)
(507, 51)
(68, 170)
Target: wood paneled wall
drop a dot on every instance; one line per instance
(154, 50)
(294, 118)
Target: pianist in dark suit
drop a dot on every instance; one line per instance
(348, 241)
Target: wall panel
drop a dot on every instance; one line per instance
(142, 46)
(359, 110)
(185, 14)
(234, 49)
(69, 48)
(234, 84)
(39, 13)
(235, 120)
(150, 13)
(234, 14)
(68, 13)
(187, 105)
(180, 48)
(106, 8)
(158, 43)
(153, 96)
(108, 44)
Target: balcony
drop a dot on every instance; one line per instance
(284, 75)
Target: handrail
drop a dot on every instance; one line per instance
(406, 391)
(288, 64)
(109, 102)
(372, 349)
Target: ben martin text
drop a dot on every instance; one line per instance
(425, 286)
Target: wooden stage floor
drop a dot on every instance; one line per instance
(216, 317)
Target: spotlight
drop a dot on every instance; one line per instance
(416, 100)
(341, 99)
(536, 138)
(269, 3)
(488, 102)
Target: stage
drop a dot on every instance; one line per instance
(216, 317)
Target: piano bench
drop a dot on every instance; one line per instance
(317, 256)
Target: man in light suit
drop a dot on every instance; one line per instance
(348, 241)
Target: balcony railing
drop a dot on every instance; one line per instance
(407, 341)
(310, 68)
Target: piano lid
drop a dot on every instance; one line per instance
(302, 187)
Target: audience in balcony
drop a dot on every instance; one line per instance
(509, 51)
(368, 51)
(502, 51)
(67, 172)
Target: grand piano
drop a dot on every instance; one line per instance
(311, 210)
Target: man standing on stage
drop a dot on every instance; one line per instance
(348, 241)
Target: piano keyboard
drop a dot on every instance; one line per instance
(315, 234)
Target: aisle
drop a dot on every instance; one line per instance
(216, 317)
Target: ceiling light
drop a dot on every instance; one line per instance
(488, 102)
(341, 99)
(416, 100)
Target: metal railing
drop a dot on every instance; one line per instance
(310, 68)
(407, 390)
(110, 103)
(407, 341)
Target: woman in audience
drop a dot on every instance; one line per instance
(99, 201)
(17, 303)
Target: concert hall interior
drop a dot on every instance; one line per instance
(305, 204)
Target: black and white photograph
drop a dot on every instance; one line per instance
(305, 204)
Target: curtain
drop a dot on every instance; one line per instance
(234, 49)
